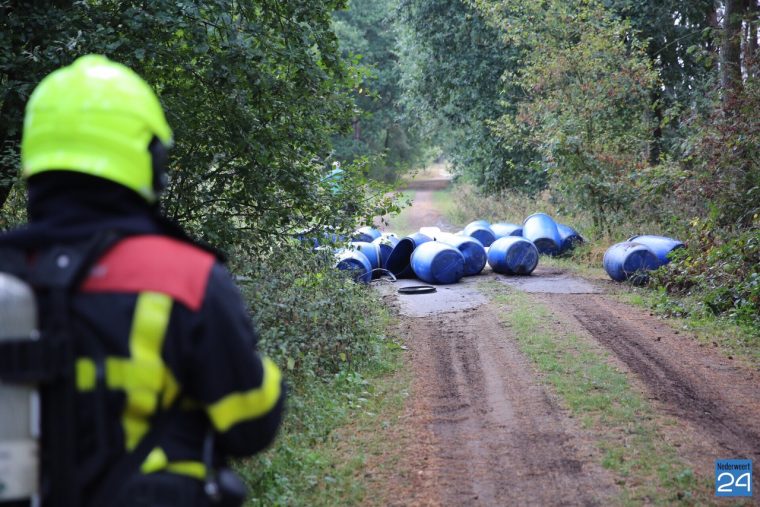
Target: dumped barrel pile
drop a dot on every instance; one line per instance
(439, 257)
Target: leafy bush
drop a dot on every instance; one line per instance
(586, 110)
(327, 332)
(711, 193)
(313, 320)
(254, 92)
(721, 270)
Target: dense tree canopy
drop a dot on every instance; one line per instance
(381, 130)
(618, 109)
(253, 90)
(453, 63)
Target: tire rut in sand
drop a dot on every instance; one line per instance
(501, 439)
(691, 382)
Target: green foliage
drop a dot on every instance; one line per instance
(314, 320)
(722, 272)
(328, 334)
(679, 42)
(718, 174)
(253, 90)
(712, 194)
(588, 85)
(330, 429)
(453, 62)
(293, 471)
(380, 129)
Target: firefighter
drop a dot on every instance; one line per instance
(164, 376)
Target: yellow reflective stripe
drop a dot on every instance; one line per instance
(194, 469)
(86, 374)
(238, 407)
(123, 373)
(171, 389)
(155, 461)
(158, 462)
(143, 378)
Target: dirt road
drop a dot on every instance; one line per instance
(424, 212)
(484, 428)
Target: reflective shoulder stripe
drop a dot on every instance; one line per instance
(238, 407)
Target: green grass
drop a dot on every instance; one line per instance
(332, 427)
(625, 425)
(729, 338)
(449, 207)
(399, 224)
(586, 270)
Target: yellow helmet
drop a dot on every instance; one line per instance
(95, 117)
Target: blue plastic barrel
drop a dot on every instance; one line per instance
(541, 229)
(366, 234)
(356, 261)
(503, 229)
(569, 236)
(320, 238)
(482, 233)
(512, 255)
(439, 263)
(370, 250)
(399, 261)
(482, 223)
(386, 242)
(661, 246)
(311, 241)
(629, 260)
(474, 253)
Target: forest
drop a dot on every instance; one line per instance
(625, 116)
(632, 113)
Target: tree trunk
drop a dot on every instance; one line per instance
(751, 44)
(731, 59)
(655, 147)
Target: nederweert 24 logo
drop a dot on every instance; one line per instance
(733, 477)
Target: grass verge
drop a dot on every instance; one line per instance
(399, 224)
(731, 336)
(625, 425)
(731, 339)
(449, 207)
(332, 428)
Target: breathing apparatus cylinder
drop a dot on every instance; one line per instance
(20, 413)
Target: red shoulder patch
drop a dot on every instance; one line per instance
(156, 264)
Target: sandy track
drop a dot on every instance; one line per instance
(485, 430)
(718, 398)
(501, 437)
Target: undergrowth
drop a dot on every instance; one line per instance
(716, 277)
(312, 319)
(331, 426)
(328, 334)
(720, 273)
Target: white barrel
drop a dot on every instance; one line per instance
(19, 416)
